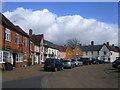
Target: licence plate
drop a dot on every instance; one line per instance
(65, 63)
(48, 66)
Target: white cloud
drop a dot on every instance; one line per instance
(59, 29)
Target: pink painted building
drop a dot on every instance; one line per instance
(62, 51)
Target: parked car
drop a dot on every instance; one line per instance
(85, 61)
(95, 61)
(68, 63)
(101, 61)
(53, 64)
(80, 62)
(116, 64)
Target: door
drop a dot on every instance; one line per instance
(14, 59)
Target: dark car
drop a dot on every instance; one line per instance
(53, 64)
(85, 61)
(101, 61)
(95, 61)
(116, 64)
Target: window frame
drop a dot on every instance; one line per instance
(7, 34)
(17, 38)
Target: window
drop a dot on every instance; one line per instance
(31, 46)
(86, 52)
(69, 53)
(98, 52)
(25, 41)
(91, 52)
(77, 53)
(7, 35)
(1, 56)
(17, 38)
(6, 55)
(25, 56)
(104, 52)
(19, 57)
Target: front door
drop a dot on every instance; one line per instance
(14, 59)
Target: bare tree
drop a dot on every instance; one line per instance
(73, 42)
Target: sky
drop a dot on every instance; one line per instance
(60, 21)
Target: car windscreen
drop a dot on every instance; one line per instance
(65, 61)
(49, 61)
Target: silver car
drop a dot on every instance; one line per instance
(68, 63)
(77, 62)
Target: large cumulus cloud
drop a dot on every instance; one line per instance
(59, 29)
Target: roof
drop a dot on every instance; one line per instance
(36, 39)
(112, 48)
(10, 25)
(50, 44)
(91, 47)
(61, 48)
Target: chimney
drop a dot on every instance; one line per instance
(30, 32)
(107, 43)
(113, 45)
(92, 42)
(80, 44)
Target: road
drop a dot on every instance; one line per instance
(90, 76)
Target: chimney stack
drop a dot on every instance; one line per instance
(80, 44)
(92, 42)
(113, 45)
(107, 43)
(30, 32)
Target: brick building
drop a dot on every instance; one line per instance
(14, 43)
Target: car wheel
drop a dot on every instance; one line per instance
(55, 69)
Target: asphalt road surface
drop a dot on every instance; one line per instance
(89, 76)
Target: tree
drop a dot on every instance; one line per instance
(73, 42)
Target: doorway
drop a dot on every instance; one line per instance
(14, 59)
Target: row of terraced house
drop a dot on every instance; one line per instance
(25, 49)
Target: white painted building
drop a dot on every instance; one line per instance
(109, 53)
(101, 52)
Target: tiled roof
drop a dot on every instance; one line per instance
(37, 39)
(10, 25)
(50, 44)
(61, 48)
(112, 48)
(91, 47)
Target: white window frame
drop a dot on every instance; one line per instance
(19, 57)
(69, 53)
(25, 41)
(3, 54)
(7, 34)
(77, 53)
(25, 55)
(17, 38)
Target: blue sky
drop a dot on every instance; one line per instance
(101, 11)
(87, 21)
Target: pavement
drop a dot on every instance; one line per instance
(89, 76)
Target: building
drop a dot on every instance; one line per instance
(91, 51)
(108, 52)
(102, 52)
(50, 50)
(14, 43)
(36, 47)
(74, 52)
(62, 51)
